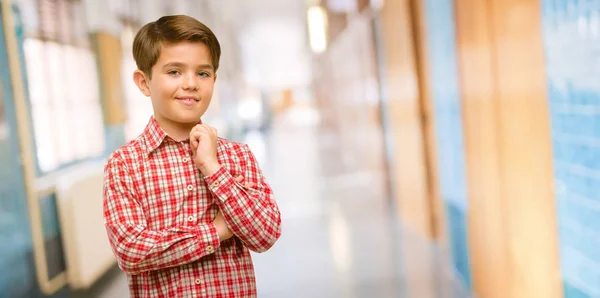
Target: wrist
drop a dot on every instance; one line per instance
(210, 168)
(223, 231)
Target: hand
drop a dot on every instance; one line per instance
(240, 178)
(222, 228)
(203, 140)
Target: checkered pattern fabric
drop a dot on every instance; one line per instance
(159, 211)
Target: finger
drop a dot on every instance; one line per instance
(249, 185)
(195, 136)
(195, 129)
(204, 127)
(209, 129)
(194, 133)
(194, 140)
(193, 144)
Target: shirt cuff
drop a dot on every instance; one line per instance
(209, 239)
(220, 183)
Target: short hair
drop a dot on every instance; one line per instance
(171, 30)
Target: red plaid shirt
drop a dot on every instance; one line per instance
(159, 211)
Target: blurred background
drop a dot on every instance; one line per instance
(417, 148)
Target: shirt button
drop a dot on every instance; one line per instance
(210, 249)
(190, 218)
(215, 184)
(185, 159)
(197, 281)
(190, 187)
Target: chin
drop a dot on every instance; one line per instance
(188, 118)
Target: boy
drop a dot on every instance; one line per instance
(179, 223)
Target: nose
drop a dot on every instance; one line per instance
(190, 82)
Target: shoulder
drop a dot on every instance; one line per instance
(127, 154)
(234, 152)
(237, 158)
(231, 147)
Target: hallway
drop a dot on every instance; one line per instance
(487, 176)
(340, 237)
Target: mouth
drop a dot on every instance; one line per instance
(188, 100)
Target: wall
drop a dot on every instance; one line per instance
(512, 216)
(571, 41)
(18, 277)
(410, 123)
(441, 52)
(487, 215)
(401, 97)
(14, 226)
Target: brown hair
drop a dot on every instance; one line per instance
(169, 30)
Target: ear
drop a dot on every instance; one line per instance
(215, 78)
(139, 78)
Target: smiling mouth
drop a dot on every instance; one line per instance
(188, 100)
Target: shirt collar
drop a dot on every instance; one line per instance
(154, 135)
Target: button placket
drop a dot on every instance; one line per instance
(190, 210)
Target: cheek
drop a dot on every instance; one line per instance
(166, 85)
(208, 88)
(155, 87)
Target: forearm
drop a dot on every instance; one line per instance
(252, 215)
(139, 249)
(257, 225)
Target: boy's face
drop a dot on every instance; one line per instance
(182, 83)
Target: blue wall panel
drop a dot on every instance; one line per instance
(16, 279)
(448, 126)
(571, 32)
(17, 270)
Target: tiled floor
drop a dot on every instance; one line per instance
(340, 237)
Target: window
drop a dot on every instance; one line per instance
(63, 84)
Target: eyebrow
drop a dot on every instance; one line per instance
(181, 65)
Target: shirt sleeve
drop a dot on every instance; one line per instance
(138, 248)
(251, 213)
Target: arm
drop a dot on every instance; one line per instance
(138, 248)
(251, 213)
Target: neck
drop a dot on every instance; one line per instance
(175, 130)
